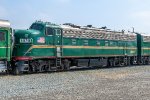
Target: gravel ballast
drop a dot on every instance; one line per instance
(125, 83)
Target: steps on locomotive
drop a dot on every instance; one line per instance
(56, 66)
(58, 62)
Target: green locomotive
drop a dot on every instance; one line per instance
(48, 47)
(5, 45)
(144, 48)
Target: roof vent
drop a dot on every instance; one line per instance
(90, 26)
(72, 25)
(104, 27)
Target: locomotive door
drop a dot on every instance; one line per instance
(3, 43)
(58, 42)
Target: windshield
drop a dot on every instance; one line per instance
(37, 27)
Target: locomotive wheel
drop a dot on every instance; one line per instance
(67, 65)
(16, 71)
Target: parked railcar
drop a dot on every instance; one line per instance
(144, 48)
(5, 45)
(47, 47)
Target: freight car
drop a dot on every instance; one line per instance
(5, 45)
(50, 47)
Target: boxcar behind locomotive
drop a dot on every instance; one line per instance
(46, 46)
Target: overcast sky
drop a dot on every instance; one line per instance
(115, 14)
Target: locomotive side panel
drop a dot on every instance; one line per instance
(97, 48)
(97, 43)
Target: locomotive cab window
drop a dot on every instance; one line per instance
(37, 27)
(58, 32)
(49, 31)
(2, 36)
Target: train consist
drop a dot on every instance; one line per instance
(49, 47)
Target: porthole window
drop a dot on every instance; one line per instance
(86, 42)
(106, 43)
(111, 43)
(74, 42)
(98, 43)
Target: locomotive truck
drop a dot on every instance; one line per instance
(50, 47)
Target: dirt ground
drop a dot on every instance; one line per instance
(125, 83)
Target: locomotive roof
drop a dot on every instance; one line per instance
(93, 29)
(89, 32)
(74, 31)
(69, 26)
(48, 24)
(145, 34)
(4, 23)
